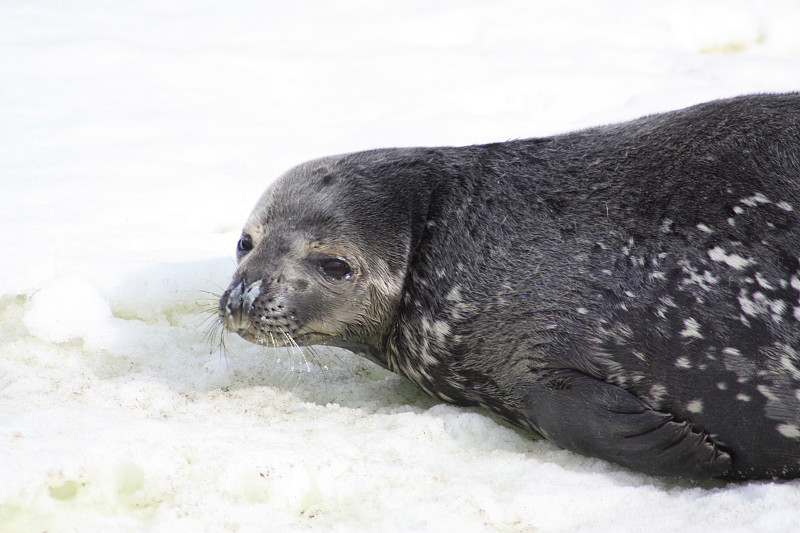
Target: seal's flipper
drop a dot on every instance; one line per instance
(597, 419)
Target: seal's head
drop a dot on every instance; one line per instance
(322, 257)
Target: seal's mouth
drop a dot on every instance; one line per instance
(312, 337)
(284, 339)
(242, 310)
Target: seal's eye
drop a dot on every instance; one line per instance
(335, 269)
(245, 244)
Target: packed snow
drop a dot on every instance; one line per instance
(135, 137)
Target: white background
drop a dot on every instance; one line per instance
(135, 137)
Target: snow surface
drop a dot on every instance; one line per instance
(135, 137)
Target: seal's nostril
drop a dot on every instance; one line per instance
(235, 304)
(250, 295)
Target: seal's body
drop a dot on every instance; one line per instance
(630, 292)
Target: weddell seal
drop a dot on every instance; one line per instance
(630, 292)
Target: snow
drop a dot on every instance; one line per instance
(135, 137)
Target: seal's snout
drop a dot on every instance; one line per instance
(236, 302)
(230, 306)
(258, 312)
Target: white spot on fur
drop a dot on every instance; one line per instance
(455, 294)
(785, 206)
(757, 198)
(657, 394)
(760, 304)
(722, 385)
(789, 364)
(789, 430)
(691, 329)
(746, 304)
(695, 406)
(777, 307)
(441, 329)
(668, 301)
(743, 397)
(705, 229)
(738, 210)
(767, 393)
(616, 373)
(683, 362)
(732, 351)
(762, 281)
(732, 260)
(666, 226)
(703, 281)
(582, 311)
(626, 250)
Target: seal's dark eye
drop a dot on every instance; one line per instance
(335, 269)
(245, 244)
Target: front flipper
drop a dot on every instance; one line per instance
(594, 418)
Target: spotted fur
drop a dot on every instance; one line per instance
(655, 261)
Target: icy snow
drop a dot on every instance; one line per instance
(134, 139)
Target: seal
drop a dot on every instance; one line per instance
(630, 292)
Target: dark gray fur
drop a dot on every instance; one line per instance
(631, 292)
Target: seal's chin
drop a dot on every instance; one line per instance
(311, 338)
(284, 338)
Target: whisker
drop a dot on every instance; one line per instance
(273, 344)
(294, 348)
(211, 318)
(213, 294)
